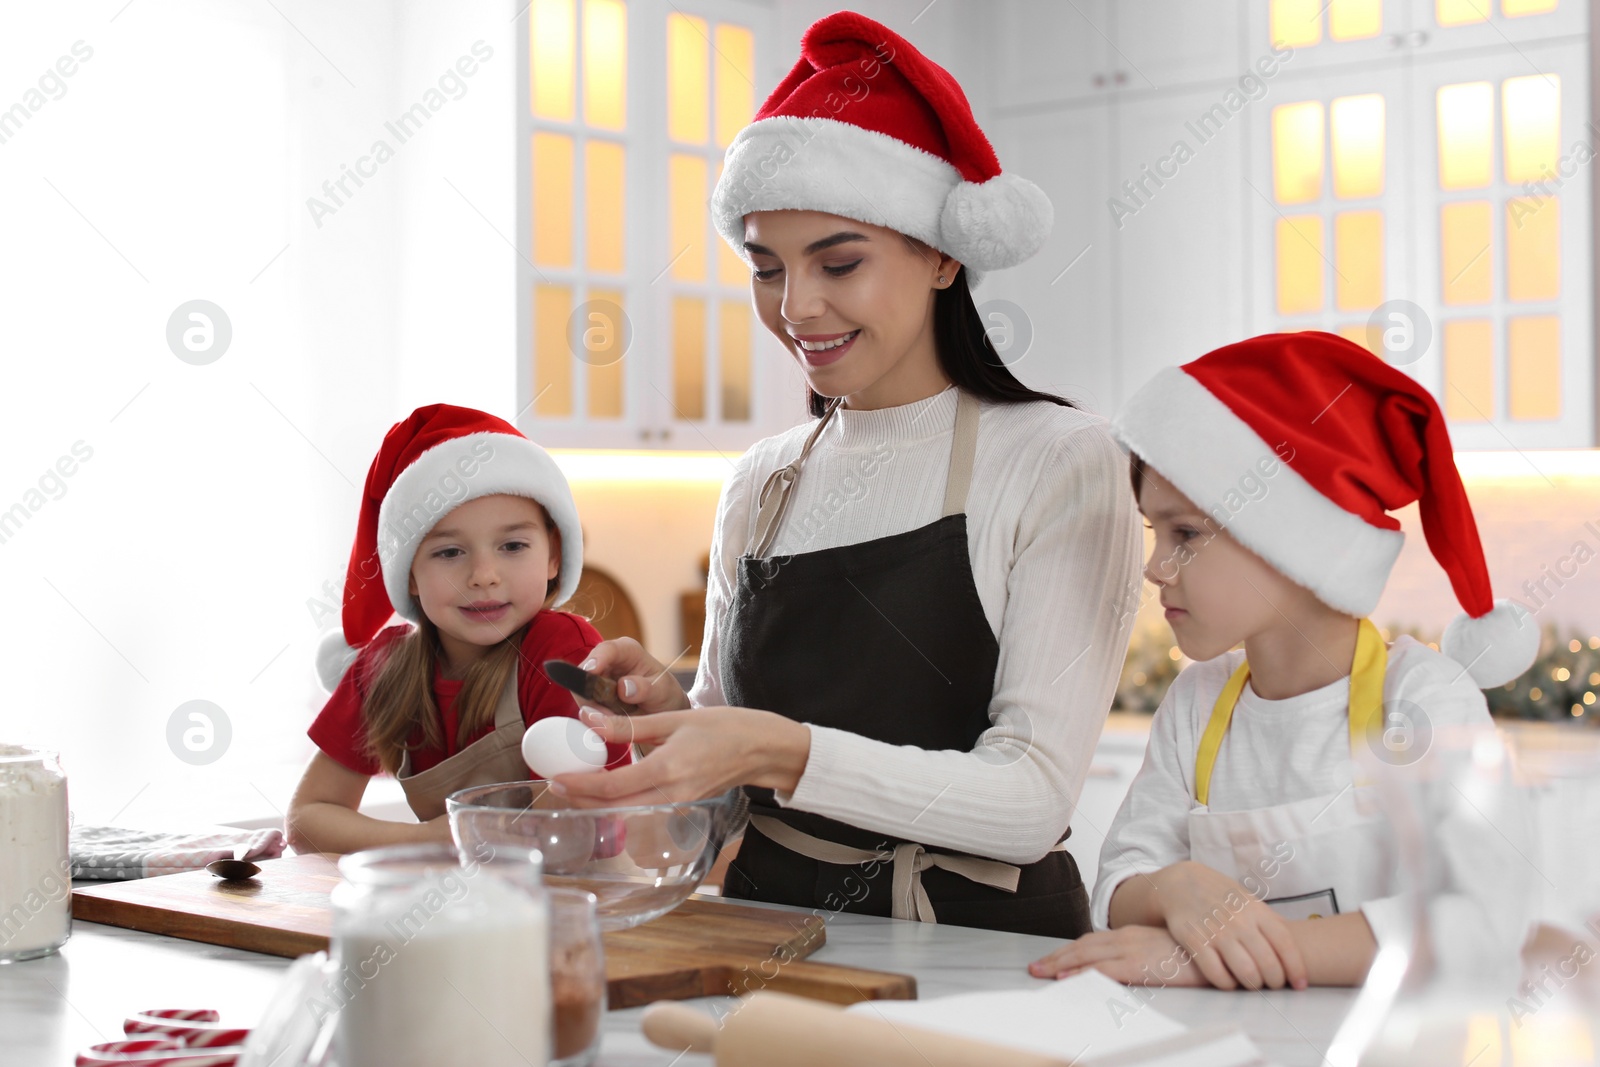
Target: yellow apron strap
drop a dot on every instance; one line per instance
(1366, 687)
(1367, 672)
(1211, 740)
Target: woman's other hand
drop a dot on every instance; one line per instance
(642, 680)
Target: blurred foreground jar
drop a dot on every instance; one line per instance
(35, 867)
(440, 957)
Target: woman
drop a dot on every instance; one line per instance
(926, 591)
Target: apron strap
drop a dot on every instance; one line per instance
(963, 450)
(774, 499)
(1367, 672)
(908, 860)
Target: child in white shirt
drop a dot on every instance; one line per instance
(1243, 854)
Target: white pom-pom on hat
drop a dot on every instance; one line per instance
(1494, 648)
(334, 657)
(995, 224)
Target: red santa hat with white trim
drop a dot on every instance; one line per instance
(868, 128)
(1347, 438)
(435, 460)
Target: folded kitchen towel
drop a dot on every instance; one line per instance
(110, 853)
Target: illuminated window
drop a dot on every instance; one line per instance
(1466, 261)
(1358, 259)
(588, 264)
(1534, 367)
(1297, 153)
(1300, 264)
(1358, 155)
(1531, 107)
(1466, 135)
(1354, 20)
(1469, 370)
(1296, 23)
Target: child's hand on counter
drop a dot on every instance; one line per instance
(1235, 939)
(1135, 955)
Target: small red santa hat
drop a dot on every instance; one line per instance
(868, 128)
(1356, 439)
(435, 460)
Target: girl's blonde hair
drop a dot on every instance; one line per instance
(401, 696)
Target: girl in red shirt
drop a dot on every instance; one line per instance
(468, 531)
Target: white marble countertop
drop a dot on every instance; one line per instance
(51, 1007)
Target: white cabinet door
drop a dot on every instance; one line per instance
(1328, 33)
(1454, 25)
(1165, 44)
(1047, 51)
(1063, 299)
(1504, 264)
(1177, 240)
(1328, 209)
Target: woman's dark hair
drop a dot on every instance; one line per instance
(966, 354)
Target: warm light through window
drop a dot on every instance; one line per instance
(1354, 20)
(1358, 260)
(1466, 246)
(1358, 155)
(1466, 135)
(1296, 23)
(1297, 138)
(688, 79)
(1533, 248)
(602, 354)
(603, 202)
(736, 75)
(552, 197)
(1300, 264)
(1461, 12)
(552, 363)
(689, 357)
(551, 47)
(1515, 8)
(1469, 370)
(605, 63)
(688, 193)
(1531, 110)
(734, 335)
(1534, 367)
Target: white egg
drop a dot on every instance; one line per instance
(561, 745)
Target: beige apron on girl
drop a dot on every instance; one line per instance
(496, 757)
(1315, 857)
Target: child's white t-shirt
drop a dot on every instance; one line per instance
(1275, 752)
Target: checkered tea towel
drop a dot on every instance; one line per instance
(114, 854)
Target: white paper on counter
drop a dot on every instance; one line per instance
(1082, 1018)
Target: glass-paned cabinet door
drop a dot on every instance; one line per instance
(1446, 25)
(1328, 211)
(635, 326)
(1502, 211)
(1309, 35)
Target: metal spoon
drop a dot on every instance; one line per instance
(233, 870)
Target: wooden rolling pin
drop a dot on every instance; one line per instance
(775, 1030)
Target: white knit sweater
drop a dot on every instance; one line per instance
(1055, 545)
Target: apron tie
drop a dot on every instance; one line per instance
(908, 860)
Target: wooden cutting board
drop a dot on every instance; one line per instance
(704, 947)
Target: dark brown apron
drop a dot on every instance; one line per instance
(887, 639)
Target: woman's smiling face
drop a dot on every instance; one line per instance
(820, 279)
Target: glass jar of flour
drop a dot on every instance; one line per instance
(35, 867)
(440, 956)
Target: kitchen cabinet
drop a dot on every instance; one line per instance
(635, 328)
(1308, 197)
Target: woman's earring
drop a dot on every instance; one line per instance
(941, 279)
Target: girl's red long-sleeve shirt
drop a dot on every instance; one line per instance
(340, 728)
